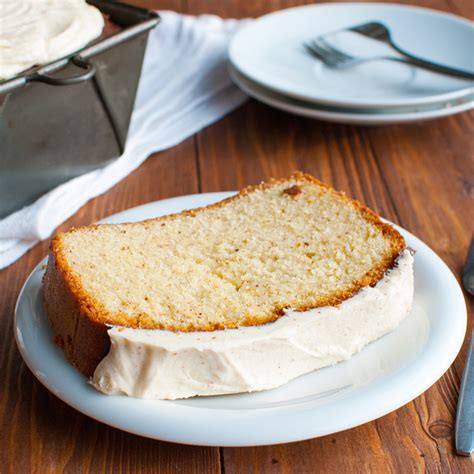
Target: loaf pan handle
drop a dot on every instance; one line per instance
(66, 81)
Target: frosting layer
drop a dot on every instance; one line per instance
(34, 32)
(160, 364)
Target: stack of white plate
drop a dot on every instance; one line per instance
(270, 63)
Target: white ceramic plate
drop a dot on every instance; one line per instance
(384, 376)
(351, 116)
(270, 51)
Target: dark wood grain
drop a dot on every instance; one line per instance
(420, 176)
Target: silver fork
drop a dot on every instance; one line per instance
(335, 58)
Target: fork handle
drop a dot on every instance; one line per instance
(431, 66)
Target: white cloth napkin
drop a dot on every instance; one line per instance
(184, 87)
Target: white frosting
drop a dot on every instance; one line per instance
(166, 365)
(34, 32)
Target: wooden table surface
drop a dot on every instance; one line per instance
(420, 176)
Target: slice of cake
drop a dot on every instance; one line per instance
(242, 295)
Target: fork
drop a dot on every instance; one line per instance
(335, 58)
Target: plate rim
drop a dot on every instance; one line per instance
(353, 118)
(182, 412)
(444, 97)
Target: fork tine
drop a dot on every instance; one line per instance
(321, 53)
(313, 51)
(316, 48)
(333, 50)
(331, 56)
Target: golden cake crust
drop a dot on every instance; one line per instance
(80, 322)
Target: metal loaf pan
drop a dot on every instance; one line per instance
(71, 116)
